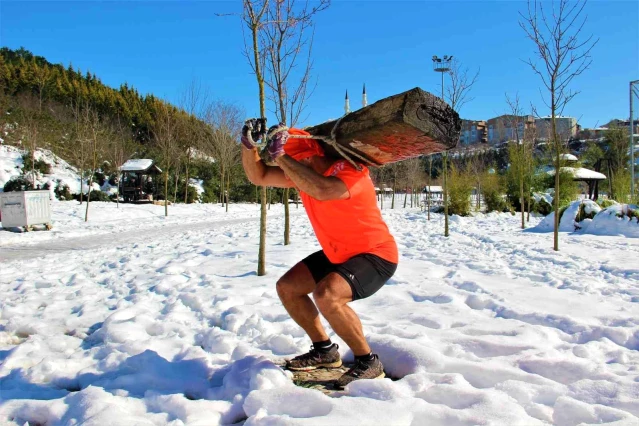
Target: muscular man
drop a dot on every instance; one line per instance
(358, 252)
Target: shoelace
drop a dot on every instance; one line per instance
(313, 353)
(353, 371)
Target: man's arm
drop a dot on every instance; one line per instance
(261, 174)
(322, 188)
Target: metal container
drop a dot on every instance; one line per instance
(25, 208)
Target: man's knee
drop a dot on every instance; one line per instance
(327, 296)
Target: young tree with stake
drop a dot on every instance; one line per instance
(563, 53)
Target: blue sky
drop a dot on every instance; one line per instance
(159, 47)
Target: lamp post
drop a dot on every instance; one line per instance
(442, 65)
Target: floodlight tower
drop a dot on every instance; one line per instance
(442, 65)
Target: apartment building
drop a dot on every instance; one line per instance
(473, 132)
(508, 127)
(566, 127)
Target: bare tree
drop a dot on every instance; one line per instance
(120, 147)
(165, 134)
(224, 122)
(94, 136)
(414, 172)
(462, 82)
(286, 44)
(521, 152)
(194, 102)
(79, 150)
(253, 14)
(565, 54)
(29, 129)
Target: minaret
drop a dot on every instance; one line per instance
(364, 101)
(347, 107)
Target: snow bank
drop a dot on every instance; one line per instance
(613, 220)
(11, 165)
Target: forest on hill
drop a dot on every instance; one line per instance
(97, 128)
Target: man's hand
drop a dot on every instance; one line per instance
(277, 137)
(252, 131)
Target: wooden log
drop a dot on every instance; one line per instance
(396, 128)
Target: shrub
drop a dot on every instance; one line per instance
(604, 203)
(62, 191)
(542, 207)
(95, 196)
(568, 187)
(18, 183)
(460, 188)
(492, 191)
(583, 215)
(39, 165)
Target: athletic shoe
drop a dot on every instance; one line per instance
(316, 359)
(372, 369)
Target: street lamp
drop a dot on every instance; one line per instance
(442, 65)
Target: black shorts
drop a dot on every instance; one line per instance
(365, 273)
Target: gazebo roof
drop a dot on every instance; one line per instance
(579, 173)
(139, 165)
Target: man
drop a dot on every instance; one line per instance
(358, 252)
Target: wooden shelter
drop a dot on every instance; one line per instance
(138, 180)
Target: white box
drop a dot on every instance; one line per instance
(25, 208)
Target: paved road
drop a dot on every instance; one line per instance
(30, 251)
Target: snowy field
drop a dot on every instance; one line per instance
(137, 319)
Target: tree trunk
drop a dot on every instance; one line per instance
(86, 213)
(186, 184)
(81, 182)
(33, 181)
(287, 220)
(557, 169)
(117, 191)
(405, 197)
(177, 175)
(445, 160)
(395, 128)
(228, 190)
(521, 199)
(430, 188)
(166, 192)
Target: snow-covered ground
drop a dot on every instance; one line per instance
(151, 321)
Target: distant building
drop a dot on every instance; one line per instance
(508, 127)
(473, 132)
(566, 127)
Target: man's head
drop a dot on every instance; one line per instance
(302, 149)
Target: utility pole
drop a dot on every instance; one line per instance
(443, 66)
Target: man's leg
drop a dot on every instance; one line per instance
(293, 289)
(332, 295)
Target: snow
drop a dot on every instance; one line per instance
(568, 157)
(198, 184)
(433, 189)
(170, 325)
(11, 165)
(136, 165)
(581, 173)
(606, 221)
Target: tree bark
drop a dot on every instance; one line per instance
(287, 230)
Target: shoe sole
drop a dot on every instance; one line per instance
(381, 376)
(336, 364)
